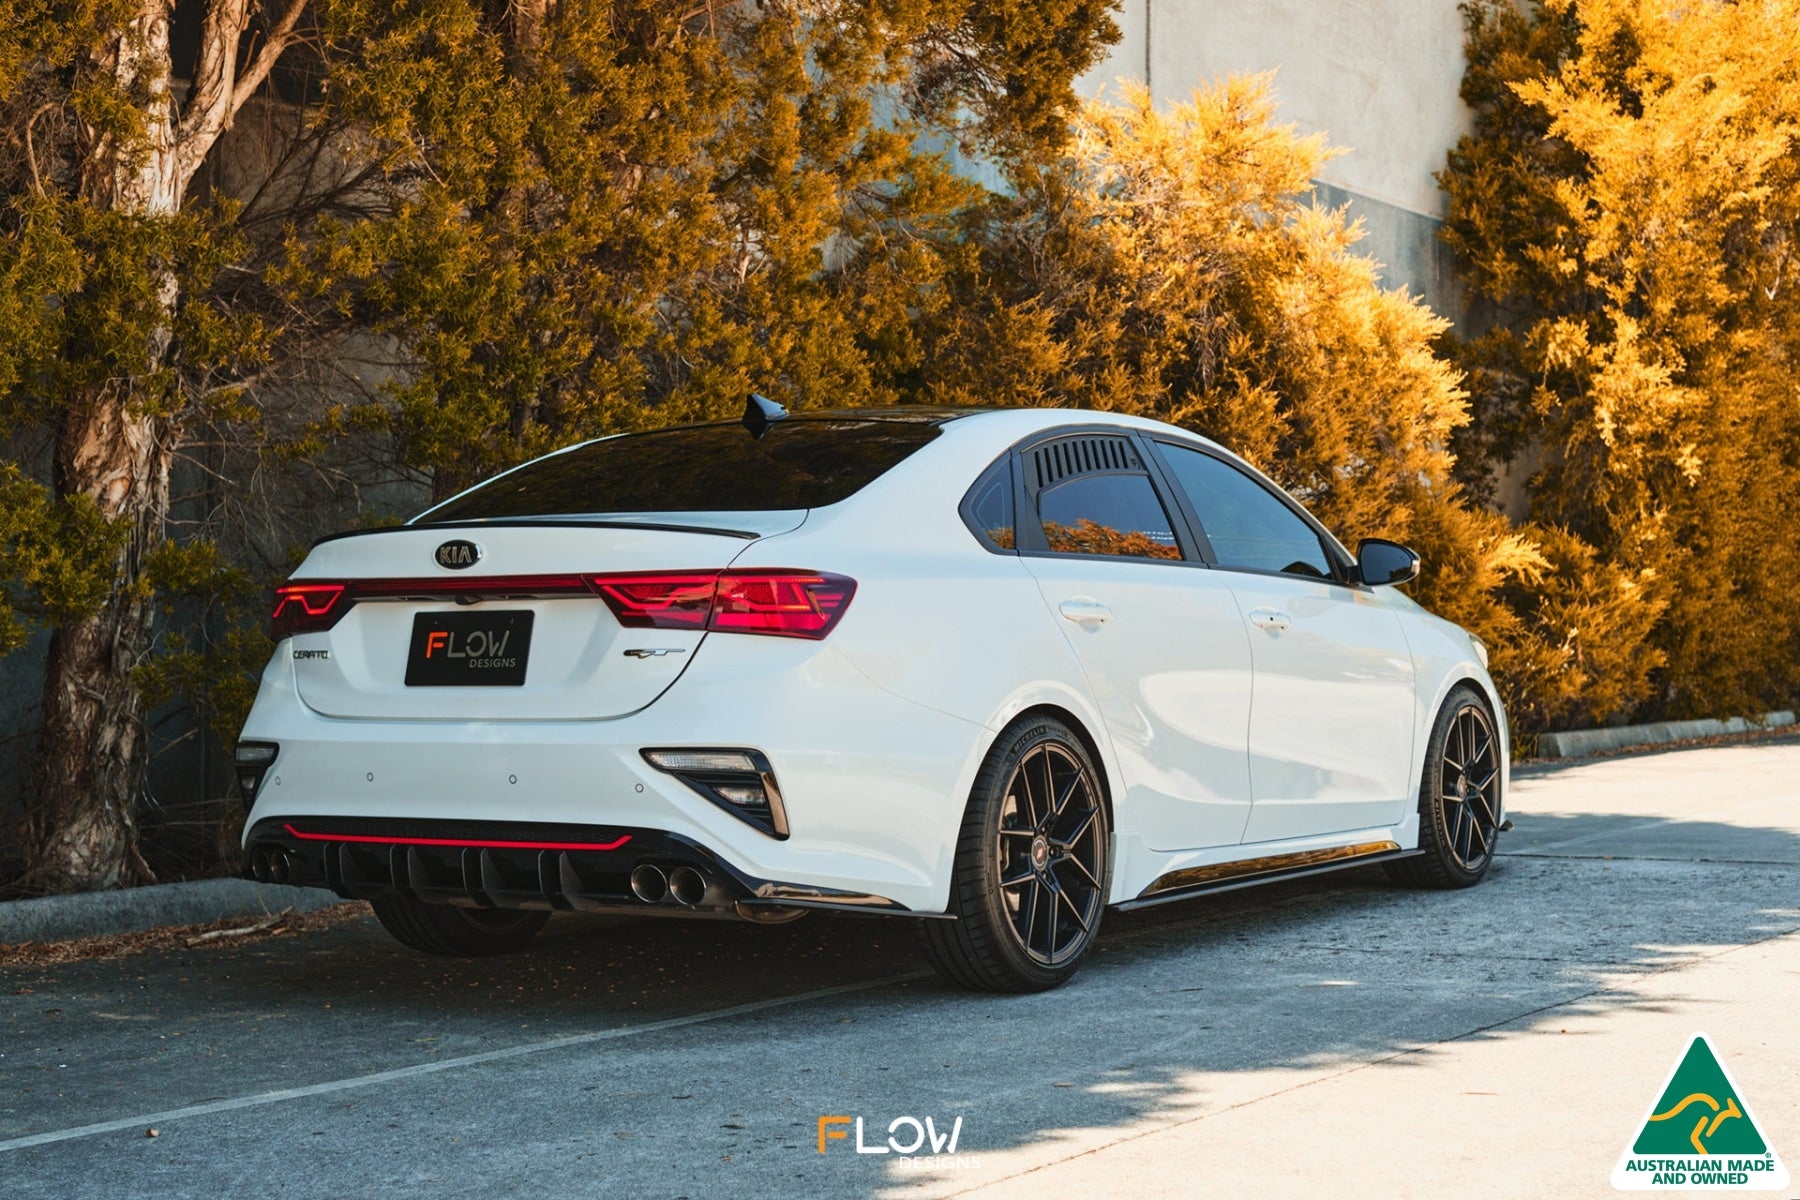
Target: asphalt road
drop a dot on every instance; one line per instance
(1333, 1037)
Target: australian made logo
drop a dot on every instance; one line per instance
(1699, 1134)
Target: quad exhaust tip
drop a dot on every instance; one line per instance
(270, 865)
(687, 886)
(680, 885)
(649, 884)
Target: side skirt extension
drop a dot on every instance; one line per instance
(1225, 877)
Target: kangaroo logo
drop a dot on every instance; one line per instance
(1699, 1133)
(1709, 1123)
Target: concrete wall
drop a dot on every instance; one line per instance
(1378, 77)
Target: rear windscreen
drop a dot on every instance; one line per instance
(710, 468)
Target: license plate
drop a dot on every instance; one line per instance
(485, 649)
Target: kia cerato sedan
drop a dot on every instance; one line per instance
(991, 671)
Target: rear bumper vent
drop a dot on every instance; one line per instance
(739, 781)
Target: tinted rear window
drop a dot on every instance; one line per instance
(802, 463)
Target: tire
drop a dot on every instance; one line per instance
(450, 931)
(1030, 880)
(1459, 798)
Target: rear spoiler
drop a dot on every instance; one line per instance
(543, 522)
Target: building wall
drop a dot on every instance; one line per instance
(1378, 78)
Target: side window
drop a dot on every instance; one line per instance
(1113, 514)
(1248, 527)
(988, 510)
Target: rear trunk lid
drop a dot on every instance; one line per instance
(517, 596)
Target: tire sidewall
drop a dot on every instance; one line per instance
(1432, 817)
(981, 853)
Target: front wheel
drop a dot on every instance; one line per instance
(1033, 859)
(1459, 798)
(454, 932)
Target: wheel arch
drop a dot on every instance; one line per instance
(1088, 743)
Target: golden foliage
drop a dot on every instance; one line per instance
(1629, 197)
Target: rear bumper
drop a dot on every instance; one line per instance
(532, 865)
(873, 785)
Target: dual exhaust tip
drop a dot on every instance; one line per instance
(271, 864)
(684, 885)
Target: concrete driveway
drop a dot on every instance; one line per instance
(1324, 1038)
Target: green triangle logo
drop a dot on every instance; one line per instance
(1699, 1112)
(1699, 1133)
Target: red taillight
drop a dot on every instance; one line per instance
(786, 603)
(777, 601)
(673, 600)
(305, 608)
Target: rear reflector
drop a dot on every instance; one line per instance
(778, 601)
(739, 781)
(382, 839)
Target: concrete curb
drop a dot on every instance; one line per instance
(132, 910)
(1577, 743)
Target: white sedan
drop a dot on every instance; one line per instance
(993, 670)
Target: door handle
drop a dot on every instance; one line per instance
(1270, 619)
(1085, 610)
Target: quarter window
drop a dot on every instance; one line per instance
(989, 508)
(1112, 514)
(1249, 528)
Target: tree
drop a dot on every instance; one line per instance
(557, 219)
(604, 216)
(1628, 199)
(110, 345)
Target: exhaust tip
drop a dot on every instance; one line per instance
(259, 864)
(649, 884)
(687, 885)
(280, 868)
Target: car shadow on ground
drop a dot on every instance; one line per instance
(1181, 1010)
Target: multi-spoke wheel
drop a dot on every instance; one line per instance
(1032, 865)
(1459, 798)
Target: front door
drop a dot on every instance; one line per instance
(1332, 720)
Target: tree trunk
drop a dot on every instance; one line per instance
(113, 449)
(114, 443)
(83, 824)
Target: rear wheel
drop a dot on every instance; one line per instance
(1032, 864)
(1459, 798)
(451, 931)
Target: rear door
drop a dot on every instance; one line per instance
(1331, 724)
(1157, 633)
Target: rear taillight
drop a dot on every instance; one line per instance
(306, 607)
(779, 601)
(786, 603)
(675, 600)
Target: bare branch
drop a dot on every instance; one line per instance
(281, 36)
(220, 91)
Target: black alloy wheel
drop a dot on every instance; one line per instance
(1459, 798)
(1032, 866)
